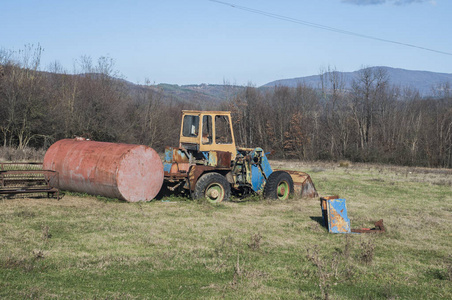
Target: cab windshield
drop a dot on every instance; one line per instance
(191, 126)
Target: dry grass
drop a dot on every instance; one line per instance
(18, 155)
(88, 247)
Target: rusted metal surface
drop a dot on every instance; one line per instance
(5, 166)
(181, 165)
(379, 228)
(179, 168)
(334, 213)
(303, 184)
(324, 206)
(128, 172)
(195, 172)
(176, 162)
(324, 198)
(29, 181)
(179, 156)
(219, 159)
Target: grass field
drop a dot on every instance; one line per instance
(85, 247)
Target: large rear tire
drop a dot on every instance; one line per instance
(279, 186)
(214, 187)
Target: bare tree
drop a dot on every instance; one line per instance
(22, 93)
(368, 89)
(336, 106)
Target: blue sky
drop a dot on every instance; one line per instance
(201, 41)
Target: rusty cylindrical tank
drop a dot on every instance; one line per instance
(128, 172)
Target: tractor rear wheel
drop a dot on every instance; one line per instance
(279, 186)
(214, 187)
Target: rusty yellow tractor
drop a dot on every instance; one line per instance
(208, 164)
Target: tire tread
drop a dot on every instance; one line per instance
(271, 187)
(206, 179)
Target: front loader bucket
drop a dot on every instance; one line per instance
(303, 184)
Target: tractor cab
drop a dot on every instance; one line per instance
(207, 131)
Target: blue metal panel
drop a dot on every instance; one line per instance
(168, 154)
(338, 221)
(205, 154)
(257, 178)
(167, 166)
(266, 166)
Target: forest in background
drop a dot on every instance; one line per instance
(373, 121)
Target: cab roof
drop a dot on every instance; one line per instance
(208, 112)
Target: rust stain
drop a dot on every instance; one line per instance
(337, 221)
(178, 168)
(179, 156)
(303, 184)
(223, 159)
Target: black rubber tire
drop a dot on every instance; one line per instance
(281, 180)
(214, 187)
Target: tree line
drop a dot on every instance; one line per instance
(372, 121)
(39, 108)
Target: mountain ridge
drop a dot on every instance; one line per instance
(424, 81)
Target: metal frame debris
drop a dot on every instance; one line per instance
(27, 178)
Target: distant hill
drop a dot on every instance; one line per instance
(420, 80)
(204, 95)
(194, 93)
(201, 92)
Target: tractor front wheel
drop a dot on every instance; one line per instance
(214, 187)
(279, 186)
